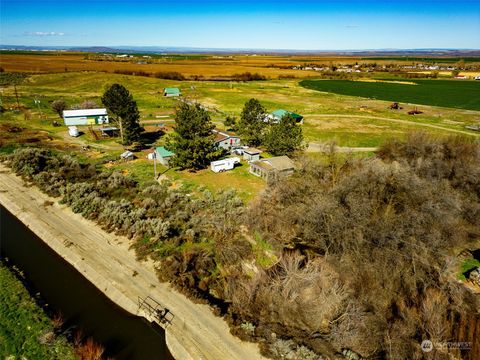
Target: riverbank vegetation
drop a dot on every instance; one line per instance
(25, 330)
(348, 255)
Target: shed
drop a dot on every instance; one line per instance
(127, 155)
(85, 117)
(226, 140)
(272, 168)
(251, 154)
(163, 155)
(172, 91)
(277, 115)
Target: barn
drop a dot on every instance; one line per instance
(85, 117)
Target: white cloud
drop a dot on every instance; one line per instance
(44, 33)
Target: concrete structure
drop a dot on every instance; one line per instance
(169, 92)
(224, 165)
(226, 140)
(163, 155)
(277, 115)
(251, 154)
(272, 168)
(85, 117)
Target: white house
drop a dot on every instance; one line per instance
(85, 117)
(226, 140)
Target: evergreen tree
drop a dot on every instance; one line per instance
(252, 124)
(118, 100)
(230, 123)
(285, 137)
(193, 141)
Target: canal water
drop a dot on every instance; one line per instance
(64, 290)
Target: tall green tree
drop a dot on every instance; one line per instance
(118, 100)
(251, 124)
(193, 141)
(285, 137)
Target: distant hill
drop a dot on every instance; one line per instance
(192, 50)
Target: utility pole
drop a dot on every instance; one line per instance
(37, 102)
(16, 95)
(155, 164)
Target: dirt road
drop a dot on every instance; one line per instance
(106, 261)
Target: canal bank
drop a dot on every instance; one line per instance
(60, 289)
(106, 261)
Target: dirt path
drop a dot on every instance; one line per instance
(106, 261)
(322, 147)
(399, 121)
(79, 141)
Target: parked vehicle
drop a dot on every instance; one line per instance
(224, 165)
(73, 131)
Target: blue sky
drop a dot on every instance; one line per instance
(302, 24)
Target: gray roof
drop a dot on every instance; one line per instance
(278, 163)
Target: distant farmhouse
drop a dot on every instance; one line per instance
(85, 117)
(226, 140)
(171, 92)
(272, 168)
(277, 115)
(163, 155)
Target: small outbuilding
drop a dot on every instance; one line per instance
(171, 92)
(251, 154)
(85, 117)
(277, 115)
(226, 140)
(127, 155)
(273, 168)
(163, 155)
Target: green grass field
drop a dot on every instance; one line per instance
(349, 121)
(458, 94)
(23, 323)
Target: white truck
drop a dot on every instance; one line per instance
(73, 131)
(224, 165)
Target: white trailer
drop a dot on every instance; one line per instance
(224, 165)
(73, 131)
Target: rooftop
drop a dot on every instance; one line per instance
(172, 90)
(161, 151)
(252, 151)
(281, 113)
(221, 135)
(278, 163)
(84, 112)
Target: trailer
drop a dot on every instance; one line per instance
(224, 165)
(73, 131)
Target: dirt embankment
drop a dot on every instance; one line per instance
(106, 261)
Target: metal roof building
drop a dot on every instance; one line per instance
(85, 117)
(173, 91)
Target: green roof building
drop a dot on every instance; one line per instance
(163, 155)
(173, 91)
(277, 115)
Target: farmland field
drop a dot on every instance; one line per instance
(447, 93)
